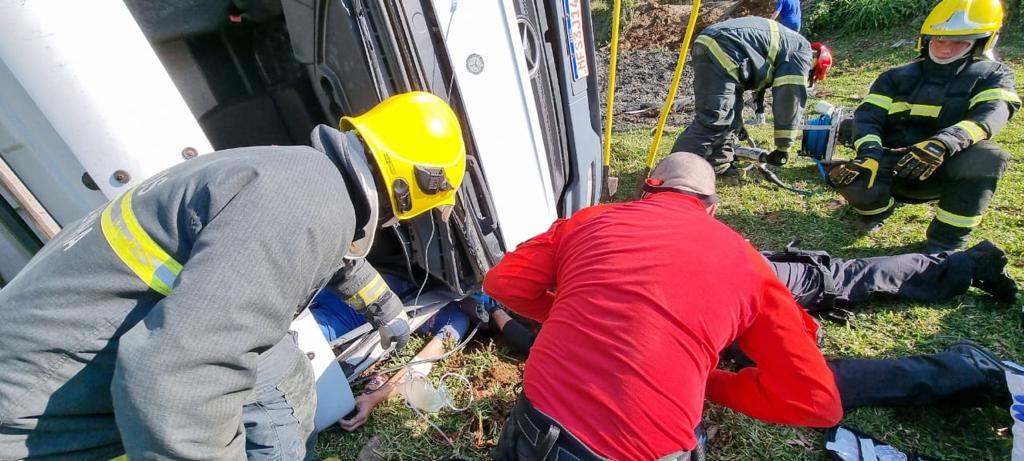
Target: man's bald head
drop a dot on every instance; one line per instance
(685, 173)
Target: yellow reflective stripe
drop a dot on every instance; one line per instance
(974, 130)
(791, 134)
(723, 59)
(135, 248)
(790, 80)
(876, 210)
(867, 138)
(995, 94)
(898, 107)
(925, 110)
(773, 51)
(956, 220)
(879, 100)
(368, 293)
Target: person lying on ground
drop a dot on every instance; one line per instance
(335, 318)
(628, 350)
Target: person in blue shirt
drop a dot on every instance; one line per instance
(787, 12)
(335, 318)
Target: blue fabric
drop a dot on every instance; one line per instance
(336, 318)
(449, 323)
(789, 13)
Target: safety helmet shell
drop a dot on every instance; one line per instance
(963, 20)
(416, 142)
(822, 61)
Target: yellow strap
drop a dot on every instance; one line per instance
(135, 248)
(973, 129)
(867, 138)
(789, 134)
(790, 80)
(723, 59)
(773, 51)
(876, 210)
(879, 100)
(956, 220)
(995, 94)
(369, 293)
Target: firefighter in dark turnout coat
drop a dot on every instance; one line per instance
(923, 133)
(737, 55)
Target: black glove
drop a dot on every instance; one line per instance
(845, 174)
(921, 159)
(777, 158)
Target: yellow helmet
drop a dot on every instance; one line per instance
(416, 142)
(963, 20)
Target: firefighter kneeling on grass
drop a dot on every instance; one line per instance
(937, 115)
(105, 352)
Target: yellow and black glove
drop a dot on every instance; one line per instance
(921, 160)
(845, 174)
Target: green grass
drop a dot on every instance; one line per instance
(770, 218)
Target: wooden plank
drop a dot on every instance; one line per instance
(42, 219)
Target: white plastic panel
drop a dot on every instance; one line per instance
(40, 157)
(333, 394)
(490, 68)
(90, 71)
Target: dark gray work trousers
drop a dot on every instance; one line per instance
(911, 276)
(718, 112)
(945, 379)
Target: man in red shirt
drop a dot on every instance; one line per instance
(635, 307)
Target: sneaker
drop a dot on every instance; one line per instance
(990, 273)
(993, 368)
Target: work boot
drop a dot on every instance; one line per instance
(867, 224)
(990, 273)
(729, 175)
(990, 366)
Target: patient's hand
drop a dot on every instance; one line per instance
(364, 406)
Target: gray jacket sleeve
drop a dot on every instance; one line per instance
(363, 288)
(184, 371)
(789, 95)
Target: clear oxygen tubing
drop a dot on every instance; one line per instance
(612, 64)
(684, 50)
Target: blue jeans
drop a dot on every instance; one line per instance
(279, 423)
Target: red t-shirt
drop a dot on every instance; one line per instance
(637, 300)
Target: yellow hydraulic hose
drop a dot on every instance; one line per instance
(612, 63)
(684, 49)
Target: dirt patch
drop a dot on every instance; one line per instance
(647, 58)
(502, 373)
(642, 82)
(661, 24)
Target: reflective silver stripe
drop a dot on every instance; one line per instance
(956, 220)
